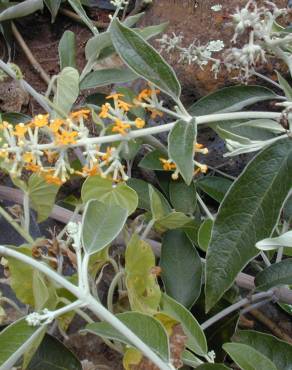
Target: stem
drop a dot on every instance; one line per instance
(265, 78)
(222, 173)
(116, 268)
(205, 208)
(265, 259)
(16, 226)
(10, 303)
(77, 18)
(234, 307)
(84, 274)
(148, 229)
(26, 211)
(112, 288)
(92, 304)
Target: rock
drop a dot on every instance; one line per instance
(12, 96)
(195, 20)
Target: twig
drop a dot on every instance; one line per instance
(76, 18)
(32, 60)
(274, 328)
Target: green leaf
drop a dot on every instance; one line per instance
(67, 50)
(53, 6)
(204, 234)
(15, 340)
(174, 220)
(76, 5)
(21, 10)
(103, 190)
(141, 188)
(143, 59)
(277, 274)
(152, 161)
(67, 89)
(278, 351)
(247, 357)
(42, 196)
(183, 197)
(246, 216)
(53, 355)
(268, 244)
(285, 85)
(143, 290)
(179, 254)
(159, 205)
(213, 367)
(104, 77)
(181, 141)
(101, 224)
(15, 117)
(231, 99)
(216, 187)
(148, 329)
(190, 359)
(196, 337)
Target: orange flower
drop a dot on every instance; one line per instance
(201, 168)
(82, 113)
(120, 127)
(41, 120)
(104, 110)
(20, 130)
(90, 171)
(28, 157)
(199, 148)
(144, 94)
(66, 138)
(32, 167)
(155, 113)
(167, 164)
(51, 156)
(50, 179)
(108, 154)
(56, 124)
(115, 96)
(123, 105)
(139, 122)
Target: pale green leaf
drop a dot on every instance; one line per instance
(268, 244)
(101, 224)
(174, 220)
(67, 89)
(21, 10)
(53, 6)
(76, 5)
(159, 205)
(248, 213)
(67, 50)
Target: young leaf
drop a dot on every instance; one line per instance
(143, 59)
(53, 355)
(268, 244)
(277, 274)
(246, 216)
(286, 86)
(196, 337)
(183, 197)
(190, 359)
(247, 357)
(95, 187)
(179, 254)
(144, 326)
(101, 224)
(67, 89)
(216, 187)
(159, 205)
(105, 77)
(15, 340)
(42, 196)
(21, 10)
(204, 234)
(231, 99)
(67, 50)
(174, 220)
(143, 289)
(181, 148)
(53, 6)
(278, 351)
(76, 5)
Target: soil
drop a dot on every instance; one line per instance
(195, 20)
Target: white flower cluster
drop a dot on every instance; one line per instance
(36, 319)
(119, 3)
(216, 7)
(195, 52)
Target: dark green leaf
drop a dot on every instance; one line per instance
(178, 255)
(105, 77)
(246, 216)
(141, 188)
(275, 275)
(196, 337)
(159, 205)
(231, 99)
(213, 367)
(15, 117)
(183, 197)
(143, 59)
(278, 351)
(216, 187)
(152, 161)
(144, 326)
(174, 220)
(67, 50)
(181, 148)
(53, 355)
(204, 234)
(247, 357)
(101, 225)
